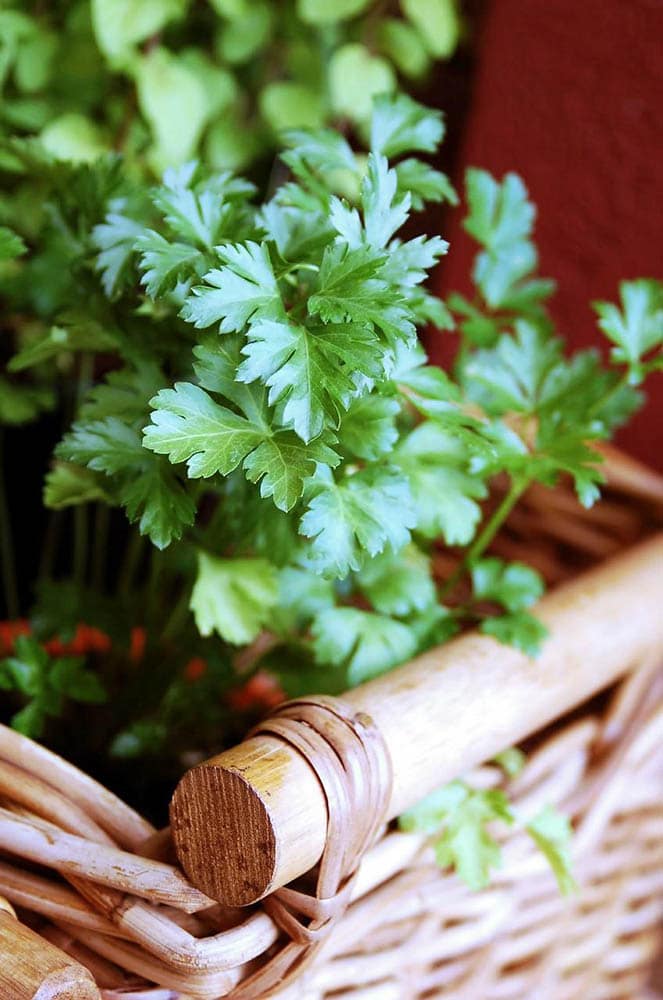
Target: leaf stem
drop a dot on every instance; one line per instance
(487, 533)
(7, 546)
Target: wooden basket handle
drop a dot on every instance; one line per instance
(254, 818)
(31, 968)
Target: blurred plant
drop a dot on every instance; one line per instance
(165, 80)
(242, 377)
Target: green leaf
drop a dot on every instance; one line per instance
(360, 516)
(115, 240)
(146, 486)
(367, 644)
(175, 104)
(233, 597)
(312, 370)
(163, 264)
(74, 137)
(286, 105)
(321, 12)
(121, 24)
(438, 24)
(518, 629)
(67, 485)
(302, 595)
(243, 290)
(351, 290)
(465, 840)
(60, 339)
(69, 676)
(355, 77)
(404, 46)
(637, 328)
(368, 430)
(400, 125)
(11, 245)
(443, 490)
(512, 761)
(499, 214)
(20, 403)
(282, 463)
(200, 212)
(384, 211)
(398, 583)
(513, 585)
(423, 184)
(188, 426)
(513, 377)
(551, 832)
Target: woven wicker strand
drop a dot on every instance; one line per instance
(354, 769)
(411, 931)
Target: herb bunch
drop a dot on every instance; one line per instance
(249, 388)
(166, 80)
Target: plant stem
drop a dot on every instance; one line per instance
(487, 533)
(100, 546)
(80, 544)
(133, 552)
(179, 615)
(7, 546)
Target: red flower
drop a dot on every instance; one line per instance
(262, 691)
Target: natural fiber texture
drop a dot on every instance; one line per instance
(351, 761)
(411, 931)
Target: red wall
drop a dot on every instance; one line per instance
(569, 93)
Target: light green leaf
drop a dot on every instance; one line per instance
(67, 484)
(175, 104)
(355, 77)
(163, 264)
(401, 125)
(233, 597)
(242, 290)
(286, 105)
(638, 327)
(367, 644)
(360, 516)
(74, 137)
(368, 430)
(121, 24)
(323, 12)
(551, 832)
(398, 583)
(313, 370)
(513, 585)
(519, 629)
(438, 24)
(443, 491)
(11, 245)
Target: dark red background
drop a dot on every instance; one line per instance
(569, 93)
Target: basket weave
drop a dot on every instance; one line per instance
(411, 930)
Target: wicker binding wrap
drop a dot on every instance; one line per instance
(97, 881)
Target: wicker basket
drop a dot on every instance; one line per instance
(95, 880)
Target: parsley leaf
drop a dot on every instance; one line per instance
(357, 517)
(459, 816)
(233, 597)
(245, 288)
(189, 426)
(551, 832)
(367, 644)
(47, 684)
(519, 629)
(638, 328)
(400, 125)
(513, 585)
